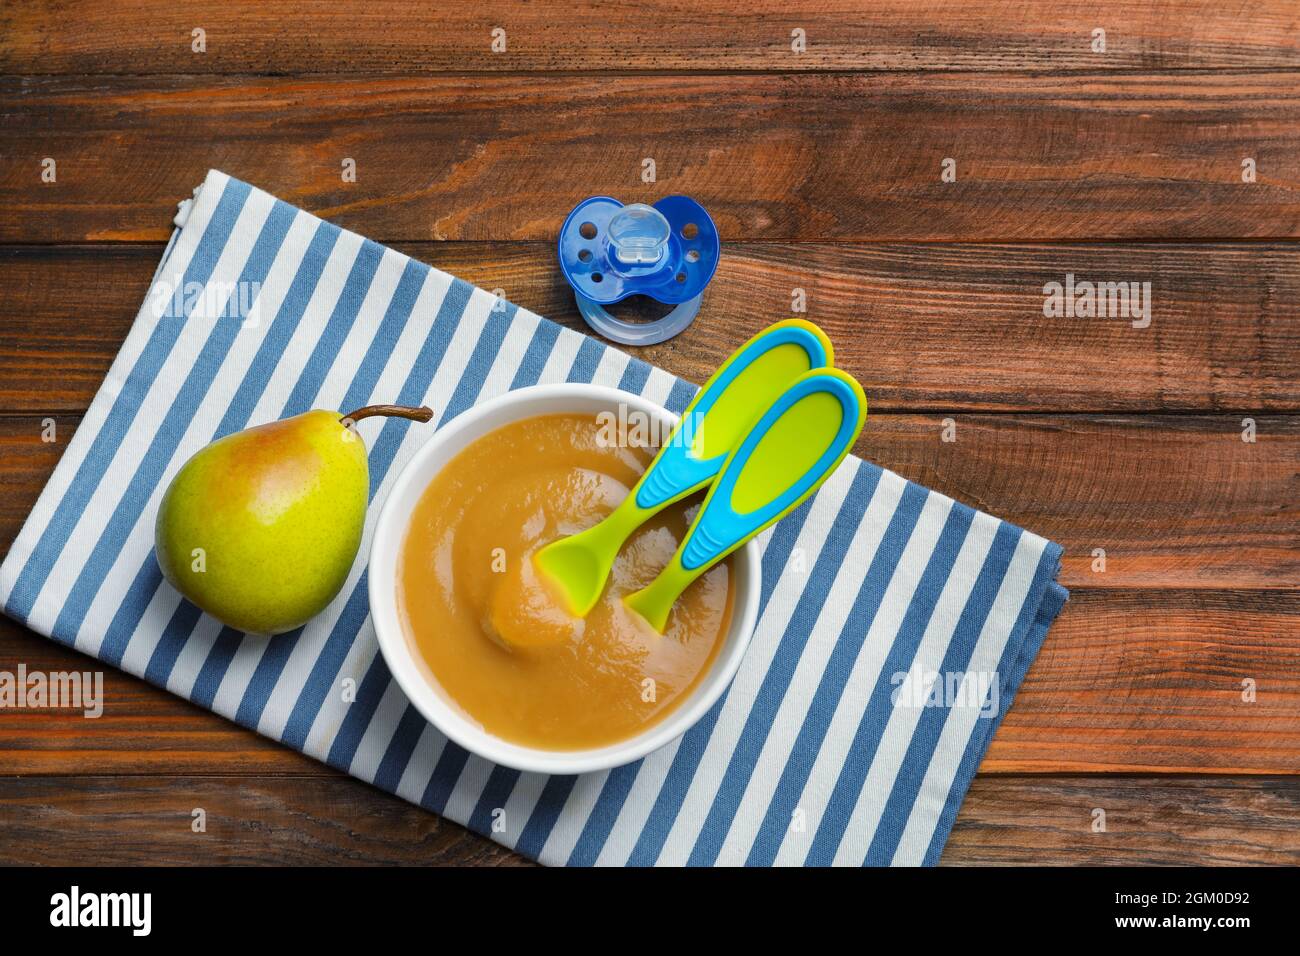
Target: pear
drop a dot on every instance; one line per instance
(261, 527)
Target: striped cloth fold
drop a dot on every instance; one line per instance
(896, 624)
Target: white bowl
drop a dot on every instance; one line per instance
(413, 674)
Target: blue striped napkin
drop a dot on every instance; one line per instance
(896, 624)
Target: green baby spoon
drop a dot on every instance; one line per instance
(712, 425)
(795, 446)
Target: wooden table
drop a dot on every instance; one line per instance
(817, 132)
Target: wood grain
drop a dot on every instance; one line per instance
(1150, 821)
(304, 821)
(1137, 680)
(333, 820)
(802, 157)
(921, 325)
(1175, 501)
(291, 36)
(1128, 681)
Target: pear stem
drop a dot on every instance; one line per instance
(421, 414)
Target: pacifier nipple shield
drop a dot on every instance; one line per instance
(668, 251)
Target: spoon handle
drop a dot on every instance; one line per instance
(794, 447)
(717, 417)
(714, 423)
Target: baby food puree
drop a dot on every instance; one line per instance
(494, 635)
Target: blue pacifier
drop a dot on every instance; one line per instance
(668, 251)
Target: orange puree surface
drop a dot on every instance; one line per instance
(561, 683)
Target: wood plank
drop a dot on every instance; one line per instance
(250, 820)
(957, 327)
(803, 156)
(64, 313)
(328, 820)
(27, 461)
(1128, 681)
(1133, 680)
(289, 36)
(1150, 821)
(1175, 501)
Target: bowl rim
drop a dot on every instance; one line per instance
(414, 676)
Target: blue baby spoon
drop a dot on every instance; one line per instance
(668, 252)
(794, 446)
(715, 421)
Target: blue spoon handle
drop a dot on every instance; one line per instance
(679, 469)
(725, 523)
(795, 446)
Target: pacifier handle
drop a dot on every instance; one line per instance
(638, 333)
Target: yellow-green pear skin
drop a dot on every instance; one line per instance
(261, 527)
